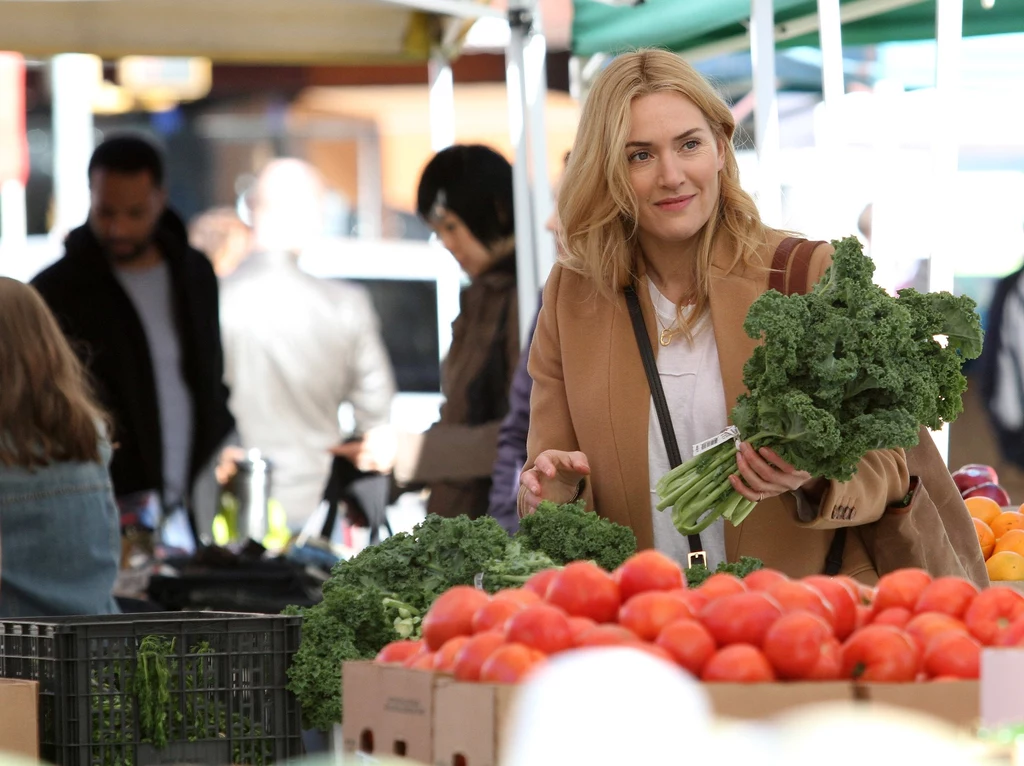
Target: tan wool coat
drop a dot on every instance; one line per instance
(590, 394)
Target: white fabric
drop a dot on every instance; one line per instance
(692, 380)
(150, 293)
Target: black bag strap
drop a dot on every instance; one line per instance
(643, 342)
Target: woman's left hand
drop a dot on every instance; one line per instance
(765, 474)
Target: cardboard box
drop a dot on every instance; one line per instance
(469, 723)
(956, 702)
(758, 701)
(389, 710)
(19, 717)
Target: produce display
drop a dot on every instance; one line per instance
(999, 524)
(382, 594)
(842, 370)
(763, 627)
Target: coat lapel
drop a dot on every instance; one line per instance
(732, 292)
(630, 412)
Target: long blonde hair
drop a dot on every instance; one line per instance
(47, 411)
(597, 206)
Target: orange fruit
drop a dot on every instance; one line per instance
(1005, 565)
(1011, 541)
(1006, 521)
(986, 537)
(984, 508)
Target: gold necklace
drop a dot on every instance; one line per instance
(667, 333)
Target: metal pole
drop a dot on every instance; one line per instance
(766, 111)
(526, 247)
(945, 149)
(74, 80)
(536, 78)
(833, 83)
(442, 101)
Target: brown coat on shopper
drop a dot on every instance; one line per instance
(454, 458)
(593, 396)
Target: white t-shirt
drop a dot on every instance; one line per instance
(692, 380)
(151, 293)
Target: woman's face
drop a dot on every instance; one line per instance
(674, 162)
(472, 255)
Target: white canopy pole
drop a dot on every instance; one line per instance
(945, 150)
(442, 101)
(833, 82)
(74, 79)
(766, 111)
(536, 75)
(520, 20)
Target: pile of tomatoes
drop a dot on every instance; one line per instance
(766, 627)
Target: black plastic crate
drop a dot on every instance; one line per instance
(159, 688)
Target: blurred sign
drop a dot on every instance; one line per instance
(13, 140)
(165, 81)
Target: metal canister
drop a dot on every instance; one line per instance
(251, 486)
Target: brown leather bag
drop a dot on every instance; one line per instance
(934, 531)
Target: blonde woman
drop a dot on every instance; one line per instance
(651, 200)
(59, 530)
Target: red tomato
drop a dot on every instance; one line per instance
(953, 654)
(689, 643)
(579, 626)
(1013, 635)
(863, 616)
(692, 598)
(901, 588)
(764, 579)
(798, 597)
(992, 613)
(539, 582)
(398, 652)
(509, 664)
(880, 653)
(474, 652)
(865, 594)
(793, 644)
(518, 596)
(897, 617)
(607, 635)
(542, 627)
(739, 663)
(444, 658)
(948, 595)
(740, 619)
(721, 584)
(654, 650)
(841, 598)
(648, 570)
(829, 666)
(646, 614)
(452, 615)
(924, 627)
(421, 661)
(494, 614)
(583, 589)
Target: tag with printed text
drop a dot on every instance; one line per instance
(732, 432)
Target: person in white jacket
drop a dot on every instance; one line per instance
(297, 347)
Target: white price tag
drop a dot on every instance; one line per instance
(732, 432)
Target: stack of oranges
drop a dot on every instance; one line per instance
(1001, 534)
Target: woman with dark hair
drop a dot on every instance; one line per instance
(59, 532)
(465, 195)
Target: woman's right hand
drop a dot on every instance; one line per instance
(555, 476)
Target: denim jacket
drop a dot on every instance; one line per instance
(59, 539)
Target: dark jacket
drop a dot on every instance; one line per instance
(456, 455)
(100, 321)
(512, 443)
